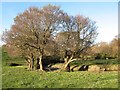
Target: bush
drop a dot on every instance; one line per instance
(51, 60)
(98, 56)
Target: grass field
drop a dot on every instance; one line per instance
(19, 77)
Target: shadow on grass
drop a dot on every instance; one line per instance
(14, 64)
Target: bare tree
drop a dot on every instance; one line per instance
(77, 36)
(45, 31)
(114, 46)
(105, 50)
(33, 30)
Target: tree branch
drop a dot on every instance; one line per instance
(31, 45)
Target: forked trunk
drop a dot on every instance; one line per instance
(67, 63)
(66, 66)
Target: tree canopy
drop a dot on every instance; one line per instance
(45, 31)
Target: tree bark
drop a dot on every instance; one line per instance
(67, 66)
(29, 65)
(67, 63)
(40, 63)
(32, 63)
(37, 64)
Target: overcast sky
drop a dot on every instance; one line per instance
(104, 13)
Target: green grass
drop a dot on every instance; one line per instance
(6, 59)
(19, 77)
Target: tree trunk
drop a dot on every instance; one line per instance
(32, 63)
(40, 63)
(37, 64)
(67, 66)
(29, 65)
(67, 63)
(28, 62)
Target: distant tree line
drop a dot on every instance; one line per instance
(105, 50)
